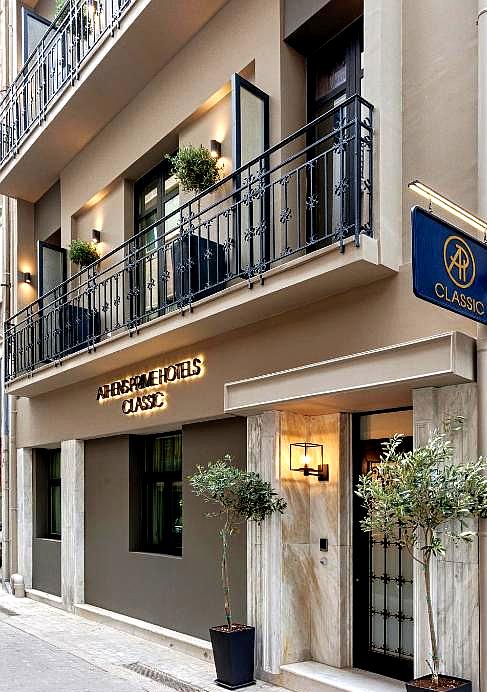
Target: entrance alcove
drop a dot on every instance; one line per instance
(299, 595)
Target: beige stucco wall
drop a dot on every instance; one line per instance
(440, 101)
(192, 78)
(438, 145)
(47, 213)
(383, 313)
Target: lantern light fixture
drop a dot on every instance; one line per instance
(27, 277)
(306, 450)
(215, 149)
(95, 236)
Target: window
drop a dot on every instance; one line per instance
(54, 494)
(156, 502)
(48, 493)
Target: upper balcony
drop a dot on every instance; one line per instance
(91, 62)
(294, 224)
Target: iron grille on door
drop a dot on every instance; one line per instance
(383, 589)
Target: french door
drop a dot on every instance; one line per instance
(334, 74)
(382, 583)
(156, 198)
(250, 139)
(51, 273)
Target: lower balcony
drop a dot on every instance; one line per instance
(294, 225)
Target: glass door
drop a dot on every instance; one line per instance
(156, 198)
(382, 568)
(51, 273)
(250, 139)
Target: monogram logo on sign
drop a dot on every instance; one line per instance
(459, 261)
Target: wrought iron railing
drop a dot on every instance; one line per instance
(53, 66)
(311, 190)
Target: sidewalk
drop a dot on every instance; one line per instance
(63, 640)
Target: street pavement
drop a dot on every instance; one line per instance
(29, 664)
(43, 649)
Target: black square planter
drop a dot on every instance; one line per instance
(233, 652)
(461, 686)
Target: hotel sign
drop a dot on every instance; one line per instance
(449, 266)
(146, 392)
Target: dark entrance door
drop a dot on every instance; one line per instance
(382, 586)
(334, 74)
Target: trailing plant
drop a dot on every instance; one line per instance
(195, 168)
(422, 499)
(241, 496)
(83, 252)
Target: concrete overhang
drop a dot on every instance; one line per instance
(150, 34)
(367, 381)
(298, 282)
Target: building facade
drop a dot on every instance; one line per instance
(272, 309)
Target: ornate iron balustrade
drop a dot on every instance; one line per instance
(311, 190)
(53, 66)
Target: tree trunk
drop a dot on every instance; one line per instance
(225, 578)
(434, 643)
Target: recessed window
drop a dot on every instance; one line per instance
(48, 493)
(156, 500)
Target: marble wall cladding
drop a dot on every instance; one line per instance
(298, 596)
(455, 578)
(264, 546)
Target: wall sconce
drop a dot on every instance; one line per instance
(305, 450)
(95, 236)
(215, 148)
(27, 277)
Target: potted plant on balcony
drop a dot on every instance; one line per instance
(239, 496)
(82, 18)
(195, 168)
(83, 253)
(430, 499)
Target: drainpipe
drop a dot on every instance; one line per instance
(482, 329)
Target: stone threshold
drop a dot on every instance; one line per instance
(310, 676)
(185, 643)
(47, 598)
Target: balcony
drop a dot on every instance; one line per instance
(308, 197)
(88, 66)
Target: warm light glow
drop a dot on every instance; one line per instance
(306, 460)
(444, 203)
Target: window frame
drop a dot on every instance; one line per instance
(142, 482)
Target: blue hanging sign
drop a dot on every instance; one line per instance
(449, 266)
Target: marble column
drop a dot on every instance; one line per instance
(25, 513)
(455, 578)
(72, 522)
(264, 546)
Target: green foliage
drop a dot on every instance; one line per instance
(428, 498)
(59, 6)
(195, 168)
(239, 496)
(83, 253)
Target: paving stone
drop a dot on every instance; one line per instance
(44, 648)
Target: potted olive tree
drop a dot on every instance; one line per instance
(429, 498)
(239, 496)
(195, 168)
(83, 253)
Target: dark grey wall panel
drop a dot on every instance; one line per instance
(179, 593)
(46, 565)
